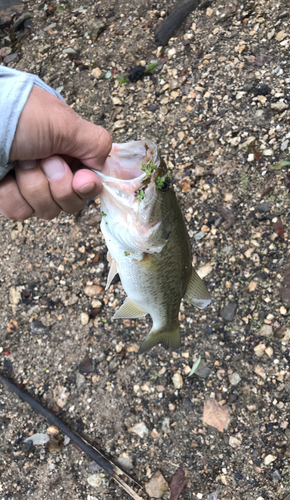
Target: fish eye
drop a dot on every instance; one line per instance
(165, 186)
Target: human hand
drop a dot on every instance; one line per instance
(51, 142)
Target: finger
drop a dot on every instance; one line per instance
(92, 146)
(87, 184)
(12, 203)
(60, 178)
(34, 188)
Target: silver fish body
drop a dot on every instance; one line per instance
(147, 241)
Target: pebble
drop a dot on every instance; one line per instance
(281, 35)
(249, 142)
(259, 350)
(235, 441)
(199, 236)
(38, 439)
(165, 424)
(80, 380)
(177, 381)
(259, 370)
(86, 365)
(116, 101)
(152, 108)
(93, 290)
(94, 480)
(228, 311)
(84, 318)
(252, 286)
(38, 328)
(284, 145)
(269, 351)
(234, 378)
(269, 459)
(171, 53)
(125, 462)
(119, 124)
(264, 207)
(139, 429)
(204, 271)
(265, 331)
(157, 485)
(52, 430)
(279, 106)
(15, 294)
(69, 50)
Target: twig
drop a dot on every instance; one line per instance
(108, 466)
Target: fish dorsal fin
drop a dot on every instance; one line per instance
(169, 338)
(129, 310)
(196, 292)
(112, 271)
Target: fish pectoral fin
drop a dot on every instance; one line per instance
(169, 338)
(196, 292)
(112, 271)
(129, 310)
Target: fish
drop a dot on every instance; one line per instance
(147, 240)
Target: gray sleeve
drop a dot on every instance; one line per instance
(15, 87)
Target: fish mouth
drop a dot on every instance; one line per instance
(125, 167)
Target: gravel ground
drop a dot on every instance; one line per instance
(218, 107)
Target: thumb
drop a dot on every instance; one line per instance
(89, 143)
(47, 126)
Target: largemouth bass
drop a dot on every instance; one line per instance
(147, 241)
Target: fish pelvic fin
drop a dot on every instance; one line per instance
(129, 310)
(169, 338)
(197, 293)
(112, 272)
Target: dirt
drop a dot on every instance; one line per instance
(223, 80)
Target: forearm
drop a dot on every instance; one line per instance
(15, 88)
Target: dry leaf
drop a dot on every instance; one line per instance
(279, 229)
(185, 184)
(216, 415)
(177, 484)
(12, 326)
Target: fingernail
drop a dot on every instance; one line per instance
(27, 164)
(86, 188)
(53, 168)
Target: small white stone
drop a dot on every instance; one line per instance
(177, 381)
(171, 53)
(140, 429)
(38, 439)
(234, 378)
(84, 318)
(284, 145)
(96, 72)
(94, 480)
(266, 331)
(235, 441)
(269, 459)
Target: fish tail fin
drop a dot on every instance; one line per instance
(169, 338)
(197, 293)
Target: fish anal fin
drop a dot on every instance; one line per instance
(129, 310)
(169, 338)
(112, 271)
(196, 292)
